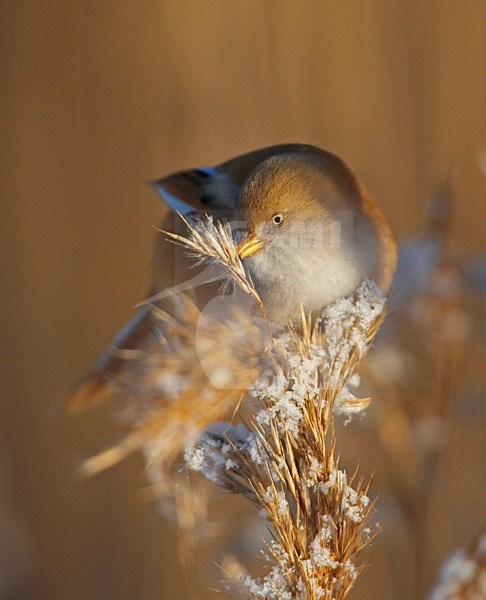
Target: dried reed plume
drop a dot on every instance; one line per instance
(284, 459)
(212, 241)
(419, 377)
(196, 372)
(463, 575)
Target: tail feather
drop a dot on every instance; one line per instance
(99, 384)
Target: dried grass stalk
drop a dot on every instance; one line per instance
(211, 241)
(463, 574)
(417, 377)
(195, 373)
(285, 461)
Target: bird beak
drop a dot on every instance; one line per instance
(248, 246)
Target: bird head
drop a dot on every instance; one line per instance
(290, 204)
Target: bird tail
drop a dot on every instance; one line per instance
(99, 384)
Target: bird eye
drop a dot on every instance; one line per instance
(277, 219)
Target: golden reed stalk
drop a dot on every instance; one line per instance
(285, 460)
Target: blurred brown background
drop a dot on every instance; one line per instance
(99, 97)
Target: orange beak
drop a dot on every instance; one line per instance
(248, 246)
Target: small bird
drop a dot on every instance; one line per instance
(308, 232)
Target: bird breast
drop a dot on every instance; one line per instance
(312, 276)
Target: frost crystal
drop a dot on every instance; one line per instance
(463, 574)
(320, 553)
